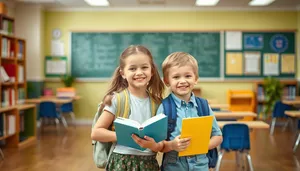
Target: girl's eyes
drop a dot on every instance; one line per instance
(133, 69)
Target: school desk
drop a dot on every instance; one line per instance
(251, 124)
(291, 102)
(58, 101)
(234, 114)
(219, 106)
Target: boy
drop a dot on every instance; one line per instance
(180, 71)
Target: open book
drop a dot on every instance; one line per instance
(199, 129)
(155, 127)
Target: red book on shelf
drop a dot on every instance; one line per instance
(11, 71)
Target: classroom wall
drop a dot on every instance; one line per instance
(92, 92)
(30, 25)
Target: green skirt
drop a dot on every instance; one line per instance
(124, 162)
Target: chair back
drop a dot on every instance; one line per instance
(68, 107)
(279, 108)
(235, 137)
(48, 109)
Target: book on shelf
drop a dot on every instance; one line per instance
(155, 127)
(199, 130)
(20, 50)
(3, 74)
(2, 124)
(10, 70)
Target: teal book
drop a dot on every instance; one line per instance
(155, 127)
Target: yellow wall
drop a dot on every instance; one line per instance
(148, 21)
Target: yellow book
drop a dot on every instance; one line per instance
(199, 129)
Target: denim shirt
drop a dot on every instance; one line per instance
(187, 110)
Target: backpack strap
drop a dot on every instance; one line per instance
(202, 108)
(170, 110)
(123, 104)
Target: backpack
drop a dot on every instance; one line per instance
(102, 150)
(202, 110)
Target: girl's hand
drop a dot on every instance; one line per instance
(147, 142)
(180, 144)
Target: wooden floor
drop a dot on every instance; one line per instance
(72, 151)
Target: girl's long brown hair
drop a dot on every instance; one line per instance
(155, 86)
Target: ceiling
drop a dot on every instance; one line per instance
(163, 4)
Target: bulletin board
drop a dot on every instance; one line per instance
(259, 54)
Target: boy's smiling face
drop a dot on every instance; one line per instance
(181, 80)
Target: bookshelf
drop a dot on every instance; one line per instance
(18, 125)
(289, 92)
(17, 120)
(241, 100)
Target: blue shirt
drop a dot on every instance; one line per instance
(187, 110)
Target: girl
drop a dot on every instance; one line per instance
(138, 74)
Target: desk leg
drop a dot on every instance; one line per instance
(63, 120)
(1, 154)
(296, 143)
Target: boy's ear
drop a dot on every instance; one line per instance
(166, 82)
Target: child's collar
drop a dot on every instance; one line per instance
(178, 101)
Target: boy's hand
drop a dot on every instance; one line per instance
(147, 142)
(180, 144)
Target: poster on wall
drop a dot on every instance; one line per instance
(252, 63)
(253, 41)
(233, 40)
(287, 63)
(55, 66)
(234, 63)
(271, 64)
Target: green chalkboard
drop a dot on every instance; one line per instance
(279, 43)
(95, 55)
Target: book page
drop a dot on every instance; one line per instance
(128, 122)
(153, 119)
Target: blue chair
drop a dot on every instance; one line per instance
(47, 110)
(68, 109)
(235, 138)
(278, 112)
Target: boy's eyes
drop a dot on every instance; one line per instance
(132, 69)
(177, 77)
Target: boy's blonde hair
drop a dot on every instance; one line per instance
(179, 59)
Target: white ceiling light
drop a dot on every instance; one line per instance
(260, 2)
(206, 2)
(97, 2)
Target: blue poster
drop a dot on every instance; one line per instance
(253, 41)
(279, 43)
